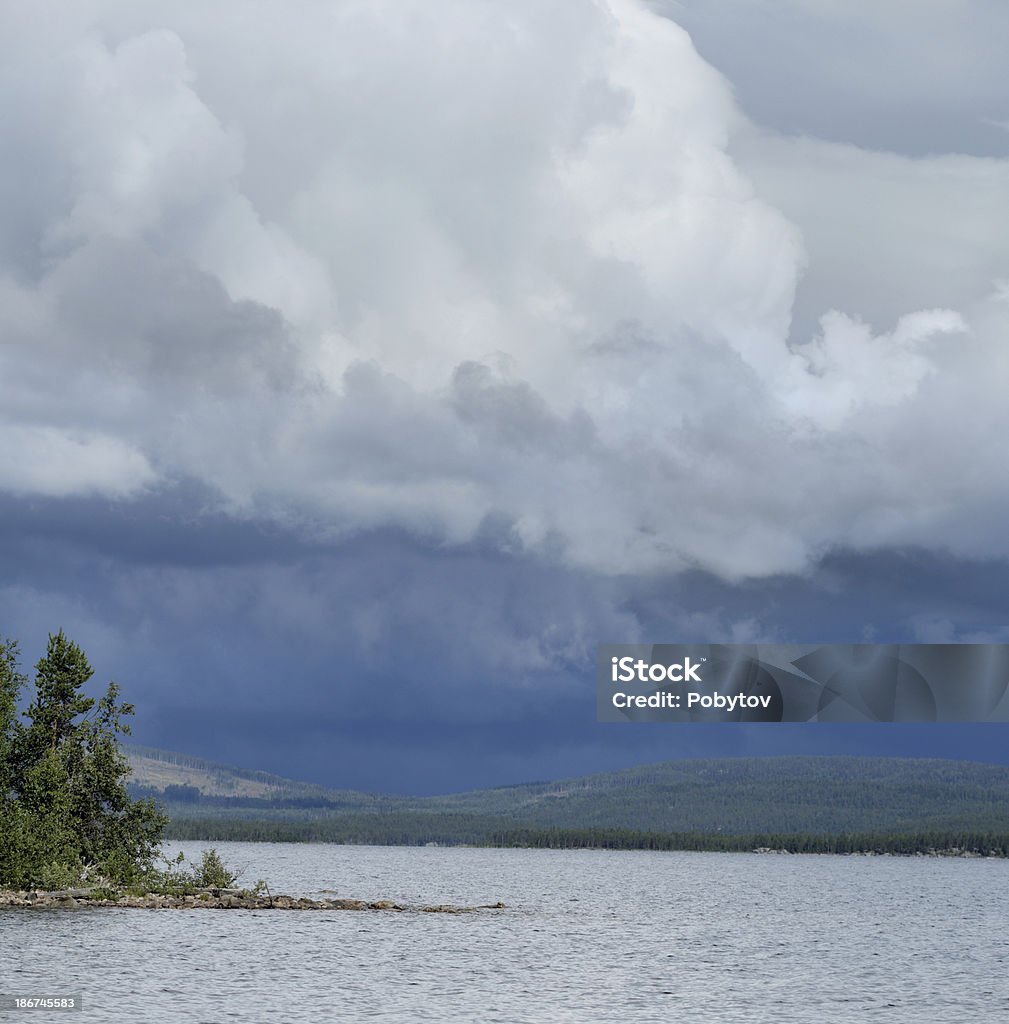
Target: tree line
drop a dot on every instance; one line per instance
(414, 829)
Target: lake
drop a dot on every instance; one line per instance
(586, 936)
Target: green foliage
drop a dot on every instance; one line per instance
(12, 682)
(176, 880)
(66, 817)
(212, 872)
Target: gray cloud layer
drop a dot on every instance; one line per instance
(876, 75)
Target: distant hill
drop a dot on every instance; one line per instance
(780, 794)
(175, 778)
(814, 796)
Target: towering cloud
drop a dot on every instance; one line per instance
(380, 265)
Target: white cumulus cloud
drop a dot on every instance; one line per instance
(389, 264)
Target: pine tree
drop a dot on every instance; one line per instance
(65, 812)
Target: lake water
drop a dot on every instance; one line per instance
(586, 936)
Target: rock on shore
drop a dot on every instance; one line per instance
(214, 899)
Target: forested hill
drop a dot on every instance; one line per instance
(780, 794)
(732, 796)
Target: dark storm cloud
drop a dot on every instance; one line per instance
(179, 526)
(384, 663)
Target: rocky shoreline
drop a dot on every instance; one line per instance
(214, 899)
(951, 851)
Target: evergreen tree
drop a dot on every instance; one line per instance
(11, 685)
(65, 813)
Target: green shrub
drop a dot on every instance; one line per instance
(212, 872)
(176, 880)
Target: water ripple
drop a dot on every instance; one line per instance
(587, 936)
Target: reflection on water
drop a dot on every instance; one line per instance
(586, 936)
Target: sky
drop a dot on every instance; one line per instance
(364, 365)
